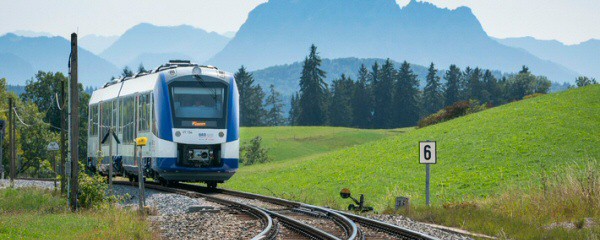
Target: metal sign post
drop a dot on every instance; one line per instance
(53, 147)
(427, 156)
(140, 142)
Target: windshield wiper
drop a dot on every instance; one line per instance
(201, 82)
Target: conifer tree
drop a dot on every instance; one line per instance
(383, 92)
(491, 91)
(294, 109)
(473, 90)
(251, 99)
(433, 95)
(341, 106)
(141, 68)
(361, 100)
(126, 72)
(406, 95)
(453, 79)
(313, 91)
(275, 108)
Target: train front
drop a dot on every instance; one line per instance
(198, 125)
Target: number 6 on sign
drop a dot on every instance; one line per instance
(427, 153)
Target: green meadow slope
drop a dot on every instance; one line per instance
(286, 143)
(479, 155)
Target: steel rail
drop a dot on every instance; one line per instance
(270, 230)
(347, 225)
(399, 231)
(404, 233)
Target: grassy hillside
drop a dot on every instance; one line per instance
(286, 143)
(480, 155)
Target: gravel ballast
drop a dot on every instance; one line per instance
(175, 222)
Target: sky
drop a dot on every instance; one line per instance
(569, 21)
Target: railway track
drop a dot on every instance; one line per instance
(354, 225)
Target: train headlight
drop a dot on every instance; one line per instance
(197, 71)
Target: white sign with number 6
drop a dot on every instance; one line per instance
(427, 153)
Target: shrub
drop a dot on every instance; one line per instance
(253, 152)
(457, 110)
(92, 190)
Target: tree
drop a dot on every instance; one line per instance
(313, 91)
(520, 85)
(43, 92)
(294, 109)
(253, 152)
(406, 95)
(141, 68)
(361, 100)
(583, 81)
(474, 88)
(383, 91)
(126, 72)
(252, 112)
(275, 108)
(341, 106)
(491, 90)
(433, 95)
(452, 78)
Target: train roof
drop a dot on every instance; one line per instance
(143, 82)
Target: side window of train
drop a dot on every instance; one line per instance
(126, 112)
(106, 117)
(154, 127)
(93, 121)
(144, 106)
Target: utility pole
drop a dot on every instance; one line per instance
(74, 123)
(63, 138)
(11, 135)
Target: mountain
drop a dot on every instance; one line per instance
(149, 39)
(582, 57)
(21, 57)
(96, 43)
(281, 31)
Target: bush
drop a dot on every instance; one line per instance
(457, 110)
(92, 190)
(253, 152)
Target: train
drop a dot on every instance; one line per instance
(188, 112)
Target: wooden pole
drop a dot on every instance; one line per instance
(63, 138)
(74, 120)
(11, 135)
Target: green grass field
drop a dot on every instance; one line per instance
(285, 143)
(479, 155)
(31, 213)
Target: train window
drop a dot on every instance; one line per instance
(127, 111)
(154, 127)
(144, 105)
(195, 102)
(93, 121)
(106, 117)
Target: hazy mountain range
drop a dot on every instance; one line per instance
(583, 58)
(22, 57)
(162, 43)
(96, 43)
(277, 35)
(280, 31)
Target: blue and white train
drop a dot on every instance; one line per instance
(189, 113)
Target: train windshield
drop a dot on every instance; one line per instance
(199, 106)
